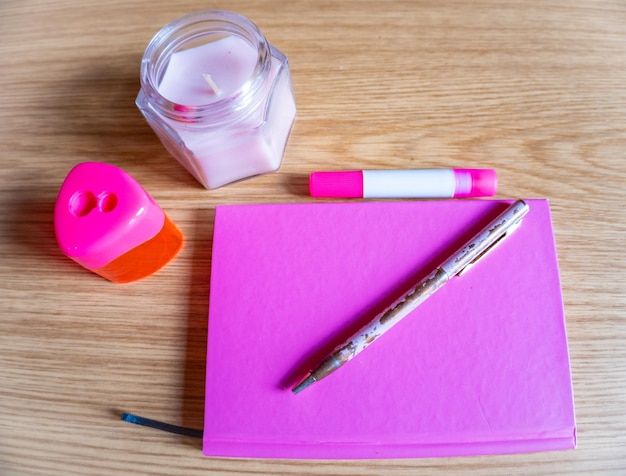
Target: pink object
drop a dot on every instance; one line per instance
(481, 367)
(475, 183)
(348, 184)
(102, 214)
(422, 183)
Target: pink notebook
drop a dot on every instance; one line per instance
(481, 367)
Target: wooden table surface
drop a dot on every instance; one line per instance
(534, 89)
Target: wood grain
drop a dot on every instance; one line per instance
(536, 90)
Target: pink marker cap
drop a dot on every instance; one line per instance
(475, 183)
(102, 213)
(348, 184)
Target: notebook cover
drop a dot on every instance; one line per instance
(482, 367)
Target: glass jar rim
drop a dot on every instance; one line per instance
(191, 27)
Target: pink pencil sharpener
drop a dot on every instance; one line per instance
(105, 221)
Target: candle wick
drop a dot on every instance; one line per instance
(209, 80)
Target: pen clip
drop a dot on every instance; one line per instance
(514, 226)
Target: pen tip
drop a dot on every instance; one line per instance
(304, 384)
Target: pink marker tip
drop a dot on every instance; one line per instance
(348, 184)
(475, 183)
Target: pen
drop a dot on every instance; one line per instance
(424, 183)
(455, 265)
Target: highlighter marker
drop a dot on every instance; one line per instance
(425, 183)
(105, 221)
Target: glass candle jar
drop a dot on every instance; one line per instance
(218, 95)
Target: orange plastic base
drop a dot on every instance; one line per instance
(146, 258)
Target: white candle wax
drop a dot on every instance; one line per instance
(229, 62)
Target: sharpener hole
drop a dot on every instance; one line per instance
(82, 203)
(107, 202)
